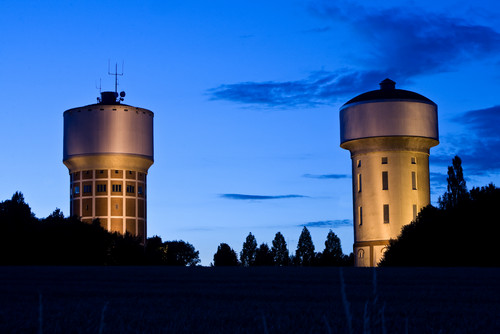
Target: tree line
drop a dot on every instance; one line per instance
(59, 240)
(462, 231)
(278, 254)
(56, 240)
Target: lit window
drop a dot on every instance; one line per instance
(386, 213)
(384, 160)
(117, 188)
(77, 189)
(359, 183)
(413, 181)
(413, 160)
(385, 181)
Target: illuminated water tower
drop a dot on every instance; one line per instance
(389, 133)
(108, 149)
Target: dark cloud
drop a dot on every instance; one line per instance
(258, 197)
(412, 42)
(319, 88)
(329, 223)
(479, 147)
(327, 176)
(400, 43)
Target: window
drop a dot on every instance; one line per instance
(413, 181)
(359, 183)
(116, 172)
(360, 216)
(139, 190)
(413, 160)
(101, 172)
(385, 181)
(101, 188)
(361, 254)
(359, 163)
(77, 189)
(130, 189)
(87, 189)
(386, 213)
(117, 188)
(414, 212)
(384, 160)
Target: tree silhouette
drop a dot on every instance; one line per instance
(280, 251)
(263, 256)
(456, 188)
(332, 255)
(16, 210)
(461, 235)
(247, 254)
(304, 255)
(156, 251)
(225, 256)
(180, 253)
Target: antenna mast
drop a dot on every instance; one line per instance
(116, 74)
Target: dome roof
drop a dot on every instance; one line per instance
(388, 91)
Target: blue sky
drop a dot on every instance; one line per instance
(246, 98)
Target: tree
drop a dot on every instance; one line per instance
(332, 255)
(247, 254)
(156, 251)
(180, 253)
(170, 253)
(456, 188)
(463, 235)
(263, 256)
(304, 255)
(16, 210)
(279, 250)
(225, 256)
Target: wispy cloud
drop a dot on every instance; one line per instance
(327, 176)
(319, 88)
(420, 42)
(317, 30)
(328, 223)
(479, 148)
(258, 197)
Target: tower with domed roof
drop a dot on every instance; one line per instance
(389, 133)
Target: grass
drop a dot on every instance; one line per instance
(248, 300)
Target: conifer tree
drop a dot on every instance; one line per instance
(304, 254)
(332, 255)
(280, 250)
(457, 188)
(247, 254)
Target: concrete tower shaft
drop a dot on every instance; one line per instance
(389, 133)
(108, 149)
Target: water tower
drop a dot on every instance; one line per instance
(389, 133)
(108, 149)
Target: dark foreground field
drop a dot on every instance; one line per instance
(248, 300)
